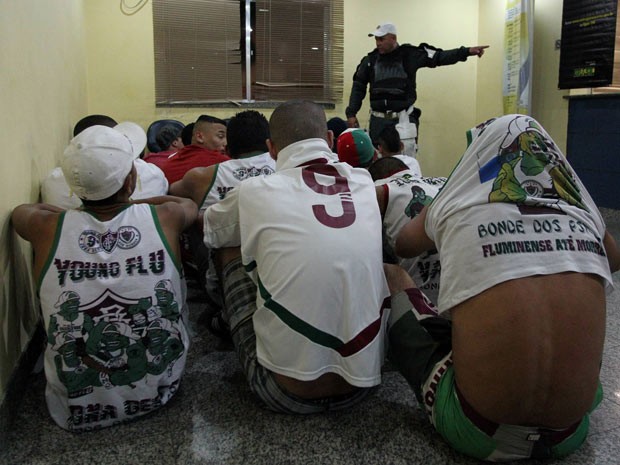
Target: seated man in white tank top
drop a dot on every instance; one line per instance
(111, 288)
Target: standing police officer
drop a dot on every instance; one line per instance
(391, 71)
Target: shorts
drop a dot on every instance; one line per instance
(419, 346)
(471, 434)
(239, 308)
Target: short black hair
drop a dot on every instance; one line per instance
(386, 167)
(186, 134)
(210, 119)
(337, 126)
(93, 120)
(167, 135)
(389, 138)
(247, 132)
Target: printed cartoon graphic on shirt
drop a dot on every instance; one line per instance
(418, 200)
(114, 341)
(528, 168)
(419, 195)
(428, 265)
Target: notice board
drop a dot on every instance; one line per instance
(587, 46)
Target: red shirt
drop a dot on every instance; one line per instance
(190, 157)
(158, 158)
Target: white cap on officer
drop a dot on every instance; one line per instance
(383, 29)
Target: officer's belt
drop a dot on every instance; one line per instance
(387, 115)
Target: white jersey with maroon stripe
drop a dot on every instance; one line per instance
(310, 237)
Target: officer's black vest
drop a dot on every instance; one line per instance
(390, 87)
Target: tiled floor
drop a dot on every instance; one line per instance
(214, 419)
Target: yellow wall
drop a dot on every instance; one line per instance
(452, 98)
(122, 84)
(64, 59)
(489, 83)
(121, 77)
(42, 94)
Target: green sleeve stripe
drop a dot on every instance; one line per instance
(204, 198)
(470, 137)
(163, 238)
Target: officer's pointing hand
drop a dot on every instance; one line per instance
(478, 50)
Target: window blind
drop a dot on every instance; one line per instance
(197, 52)
(297, 50)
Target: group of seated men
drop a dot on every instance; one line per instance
(486, 290)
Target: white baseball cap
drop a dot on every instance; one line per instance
(97, 161)
(383, 29)
(135, 134)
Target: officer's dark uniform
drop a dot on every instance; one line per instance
(392, 81)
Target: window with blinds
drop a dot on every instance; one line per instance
(206, 51)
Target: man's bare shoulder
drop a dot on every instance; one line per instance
(200, 172)
(32, 221)
(177, 213)
(194, 183)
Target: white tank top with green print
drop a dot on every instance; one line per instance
(113, 302)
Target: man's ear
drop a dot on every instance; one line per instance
(402, 147)
(330, 137)
(273, 151)
(130, 182)
(380, 149)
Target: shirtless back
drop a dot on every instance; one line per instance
(528, 351)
